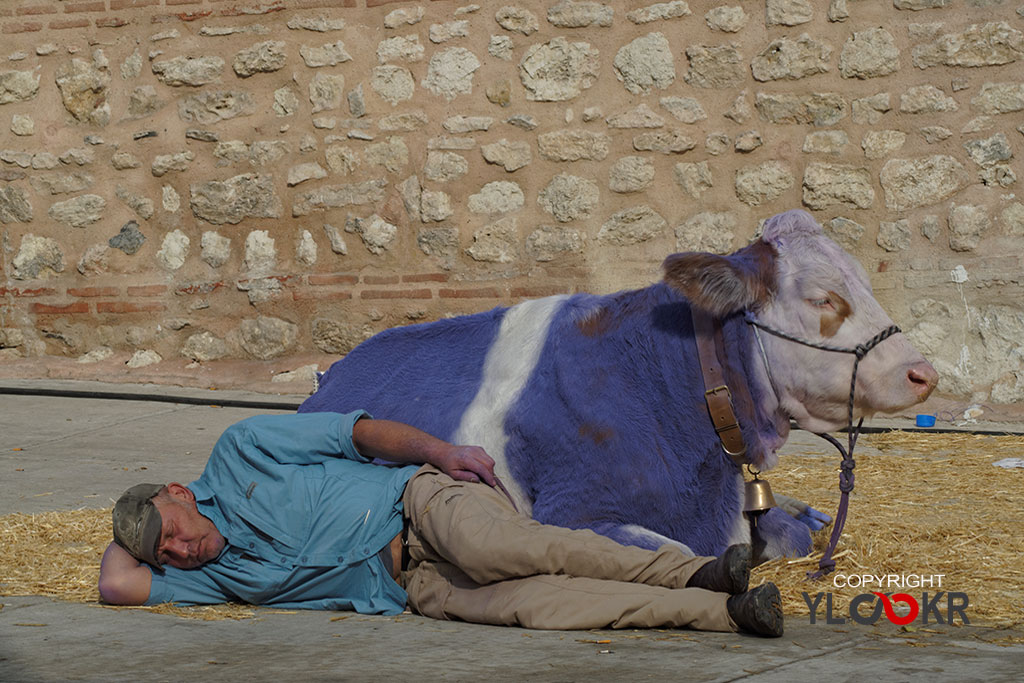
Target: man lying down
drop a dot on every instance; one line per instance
(291, 512)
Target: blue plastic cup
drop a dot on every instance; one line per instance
(925, 420)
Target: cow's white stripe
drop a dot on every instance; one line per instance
(740, 524)
(659, 539)
(507, 367)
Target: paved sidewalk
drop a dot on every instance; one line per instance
(82, 452)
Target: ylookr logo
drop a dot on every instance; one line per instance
(930, 606)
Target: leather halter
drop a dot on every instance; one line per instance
(711, 350)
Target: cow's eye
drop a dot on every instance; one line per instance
(824, 302)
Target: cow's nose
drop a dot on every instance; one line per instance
(922, 378)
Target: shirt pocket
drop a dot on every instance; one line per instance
(278, 512)
(267, 541)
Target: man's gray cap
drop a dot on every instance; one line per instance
(137, 522)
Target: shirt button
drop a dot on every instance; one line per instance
(366, 549)
(305, 558)
(252, 545)
(341, 559)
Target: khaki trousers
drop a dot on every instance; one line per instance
(474, 558)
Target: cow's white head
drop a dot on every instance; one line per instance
(797, 280)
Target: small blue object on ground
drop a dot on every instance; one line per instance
(925, 421)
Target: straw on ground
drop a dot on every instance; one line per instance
(929, 504)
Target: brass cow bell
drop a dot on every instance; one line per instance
(757, 496)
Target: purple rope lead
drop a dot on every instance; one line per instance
(826, 564)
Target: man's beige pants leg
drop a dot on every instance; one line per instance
(473, 557)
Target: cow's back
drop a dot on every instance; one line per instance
(424, 375)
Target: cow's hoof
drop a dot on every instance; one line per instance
(758, 611)
(729, 573)
(814, 519)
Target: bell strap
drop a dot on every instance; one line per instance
(707, 333)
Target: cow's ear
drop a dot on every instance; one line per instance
(723, 285)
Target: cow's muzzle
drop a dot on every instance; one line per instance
(922, 379)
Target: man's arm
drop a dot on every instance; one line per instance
(123, 579)
(398, 442)
(312, 438)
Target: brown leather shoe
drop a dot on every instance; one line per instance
(757, 611)
(729, 573)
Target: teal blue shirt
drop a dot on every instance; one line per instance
(304, 515)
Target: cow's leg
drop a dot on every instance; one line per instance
(442, 591)
(801, 511)
(779, 535)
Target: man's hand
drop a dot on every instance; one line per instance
(467, 463)
(400, 442)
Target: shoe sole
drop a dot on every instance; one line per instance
(768, 602)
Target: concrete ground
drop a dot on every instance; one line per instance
(82, 452)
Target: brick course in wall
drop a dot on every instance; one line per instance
(171, 168)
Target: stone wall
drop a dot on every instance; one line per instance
(257, 185)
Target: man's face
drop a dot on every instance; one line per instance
(187, 538)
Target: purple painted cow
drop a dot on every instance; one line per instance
(593, 406)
